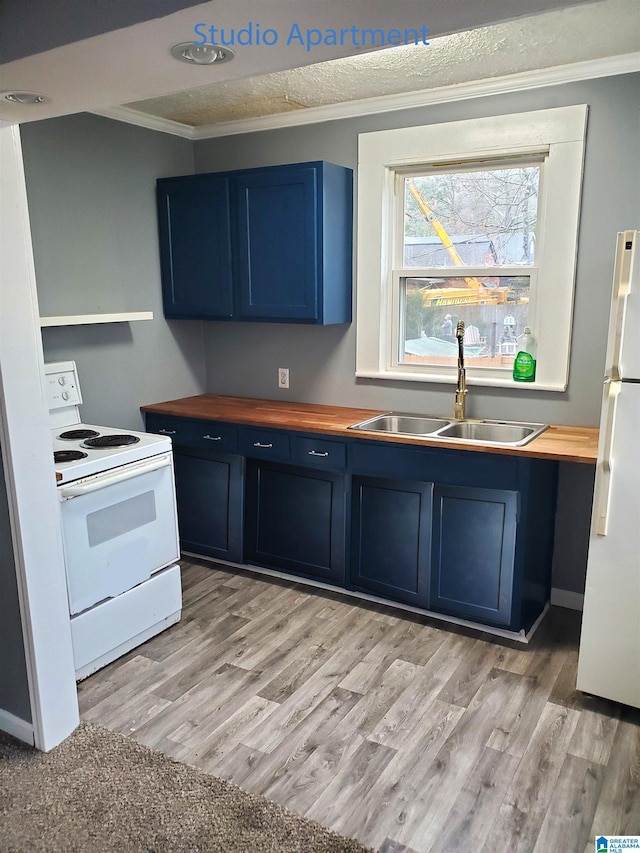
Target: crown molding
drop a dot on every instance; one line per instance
(140, 119)
(559, 74)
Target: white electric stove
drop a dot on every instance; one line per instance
(85, 449)
(119, 526)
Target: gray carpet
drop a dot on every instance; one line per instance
(99, 792)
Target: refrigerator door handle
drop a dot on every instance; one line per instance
(606, 463)
(625, 249)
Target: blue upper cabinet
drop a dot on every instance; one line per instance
(270, 244)
(194, 225)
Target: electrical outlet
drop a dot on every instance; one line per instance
(283, 377)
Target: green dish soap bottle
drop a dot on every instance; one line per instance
(524, 366)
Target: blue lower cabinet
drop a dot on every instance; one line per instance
(294, 520)
(209, 493)
(473, 553)
(391, 538)
(463, 534)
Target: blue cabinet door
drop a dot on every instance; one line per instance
(209, 498)
(390, 538)
(277, 212)
(194, 221)
(294, 519)
(472, 563)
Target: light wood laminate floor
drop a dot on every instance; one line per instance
(393, 729)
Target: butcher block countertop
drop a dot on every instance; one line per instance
(564, 443)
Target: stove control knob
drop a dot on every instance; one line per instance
(65, 395)
(62, 380)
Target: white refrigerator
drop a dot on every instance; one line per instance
(609, 659)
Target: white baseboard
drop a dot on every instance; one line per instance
(566, 598)
(518, 636)
(16, 726)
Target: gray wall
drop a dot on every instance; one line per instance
(90, 184)
(243, 358)
(91, 192)
(14, 685)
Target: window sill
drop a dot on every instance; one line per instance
(491, 382)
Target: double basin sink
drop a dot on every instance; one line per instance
(485, 432)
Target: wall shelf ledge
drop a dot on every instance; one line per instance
(87, 319)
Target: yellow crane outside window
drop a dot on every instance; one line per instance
(480, 294)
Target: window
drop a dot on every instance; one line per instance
(472, 221)
(471, 234)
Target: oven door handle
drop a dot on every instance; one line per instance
(104, 480)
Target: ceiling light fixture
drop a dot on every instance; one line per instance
(25, 97)
(201, 54)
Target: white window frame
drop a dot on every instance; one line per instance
(558, 134)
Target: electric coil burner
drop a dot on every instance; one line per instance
(77, 434)
(111, 441)
(68, 455)
(119, 528)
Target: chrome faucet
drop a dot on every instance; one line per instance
(461, 389)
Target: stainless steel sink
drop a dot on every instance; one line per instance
(492, 432)
(401, 424)
(498, 433)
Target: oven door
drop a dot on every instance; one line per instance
(118, 528)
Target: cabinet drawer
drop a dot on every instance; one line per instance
(320, 452)
(178, 429)
(206, 435)
(210, 435)
(264, 444)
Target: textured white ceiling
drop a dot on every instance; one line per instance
(134, 63)
(602, 29)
